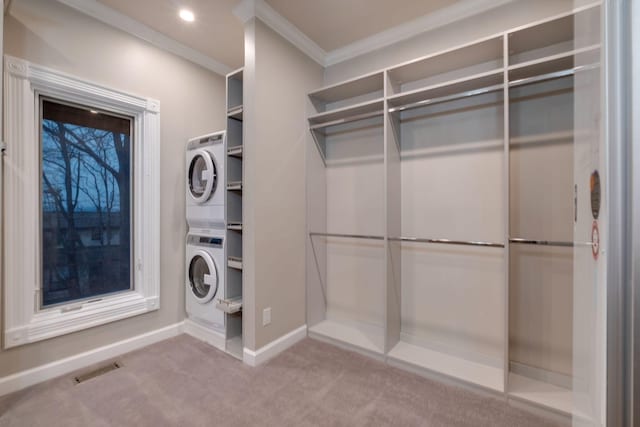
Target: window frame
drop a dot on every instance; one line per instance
(25, 321)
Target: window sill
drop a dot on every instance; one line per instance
(55, 322)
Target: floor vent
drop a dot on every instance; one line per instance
(97, 372)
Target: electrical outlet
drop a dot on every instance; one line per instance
(266, 316)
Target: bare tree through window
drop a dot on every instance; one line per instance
(86, 202)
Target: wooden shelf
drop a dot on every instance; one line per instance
(544, 394)
(429, 94)
(368, 340)
(231, 305)
(545, 38)
(479, 374)
(234, 226)
(349, 89)
(234, 262)
(484, 51)
(236, 151)
(343, 115)
(234, 186)
(553, 63)
(235, 112)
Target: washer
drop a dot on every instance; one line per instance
(205, 277)
(206, 180)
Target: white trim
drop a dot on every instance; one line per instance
(248, 9)
(24, 379)
(24, 323)
(111, 17)
(439, 18)
(542, 375)
(213, 338)
(255, 358)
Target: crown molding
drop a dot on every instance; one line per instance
(248, 9)
(129, 25)
(456, 12)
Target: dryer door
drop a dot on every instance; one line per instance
(202, 176)
(203, 277)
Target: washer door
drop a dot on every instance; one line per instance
(202, 176)
(203, 277)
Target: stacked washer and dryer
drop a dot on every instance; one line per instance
(205, 244)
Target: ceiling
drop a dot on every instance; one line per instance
(333, 24)
(218, 34)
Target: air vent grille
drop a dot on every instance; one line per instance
(101, 370)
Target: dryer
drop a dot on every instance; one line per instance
(205, 271)
(206, 180)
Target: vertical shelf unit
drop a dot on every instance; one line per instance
(234, 218)
(440, 214)
(347, 127)
(446, 114)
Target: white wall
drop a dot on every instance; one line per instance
(277, 78)
(192, 103)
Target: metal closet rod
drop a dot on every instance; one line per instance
(411, 239)
(469, 93)
(552, 75)
(348, 236)
(493, 88)
(448, 242)
(548, 243)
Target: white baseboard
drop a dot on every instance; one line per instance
(24, 379)
(213, 338)
(255, 358)
(539, 374)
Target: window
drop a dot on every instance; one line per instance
(86, 188)
(83, 235)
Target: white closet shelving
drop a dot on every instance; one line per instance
(440, 225)
(232, 306)
(348, 130)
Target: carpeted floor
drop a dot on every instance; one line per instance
(184, 382)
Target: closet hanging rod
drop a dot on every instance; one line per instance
(552, 76)
(348, 236)
(346, 120)
(548, 243)
(448, 242)
(441, 99)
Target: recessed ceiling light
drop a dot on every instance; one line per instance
(187, 15)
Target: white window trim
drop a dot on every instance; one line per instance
(24, 321)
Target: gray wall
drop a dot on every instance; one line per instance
(277, 78)
(192, 103)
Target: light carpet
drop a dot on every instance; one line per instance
(185, 382)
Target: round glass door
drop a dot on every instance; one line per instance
(202, 176)
(203, 277)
